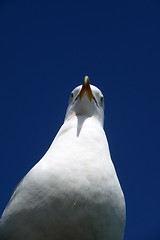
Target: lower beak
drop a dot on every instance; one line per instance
(86, 88)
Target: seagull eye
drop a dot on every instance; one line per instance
(101, 99)
(72, 95)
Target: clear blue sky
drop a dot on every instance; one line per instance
(46, 49)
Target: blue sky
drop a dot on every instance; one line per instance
(46, 49)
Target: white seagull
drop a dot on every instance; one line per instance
(73, 192)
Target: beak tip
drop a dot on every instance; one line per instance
(86, 81)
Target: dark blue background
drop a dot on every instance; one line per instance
(46, 49)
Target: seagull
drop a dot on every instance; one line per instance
(73, 192)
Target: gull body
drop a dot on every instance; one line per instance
(73, 192)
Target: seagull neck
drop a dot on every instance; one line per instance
(83, 118)
(76, 126)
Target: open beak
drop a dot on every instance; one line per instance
(86, 88)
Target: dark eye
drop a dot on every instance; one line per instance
(101, 99)
(72, 95)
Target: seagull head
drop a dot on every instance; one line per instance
(86, 100)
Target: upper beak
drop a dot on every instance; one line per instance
(86, 88)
